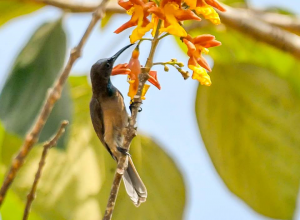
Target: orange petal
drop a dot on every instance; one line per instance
(213, 43)
(126, 5)
(120, 72)
(157, 11)
(192, 62)
(189, 45)
(216, 4)
(153, 79)
(202, 62)
(138, 2)
(182, 15)
(120, 69)
(126, 25)
(203, 38)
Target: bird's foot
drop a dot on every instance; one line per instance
(123, 151)
(134, 103)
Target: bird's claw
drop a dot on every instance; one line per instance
(123, 151)
(134, 103)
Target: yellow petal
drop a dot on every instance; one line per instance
(200, 74)
(174, 28)
(139, 32)
(209, 13)
(191, 3)
(132, 90)
(145, 89)
(130, 11)
(154, 21)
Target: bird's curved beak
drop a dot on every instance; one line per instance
(114, 57)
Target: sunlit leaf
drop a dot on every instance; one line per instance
(76, 183)
(249, 121)
(33, 73)
(11, 9)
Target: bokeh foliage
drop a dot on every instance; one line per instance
(249, 121)
(33, 73)
(12, 9)
(77, 178)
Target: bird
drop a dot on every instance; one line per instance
(109, 118)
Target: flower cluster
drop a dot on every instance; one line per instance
(145, 15)
(133, 69)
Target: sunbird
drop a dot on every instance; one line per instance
(109, 118)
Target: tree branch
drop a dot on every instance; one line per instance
(258, 25)
(275, 36)
(287, 22)
(130, 131)
(47, 146)
(53, 95)
(284, 21)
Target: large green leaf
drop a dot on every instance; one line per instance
(249, 121)
(228, 111)
(33, 73)
(11, 9)
(76, 183)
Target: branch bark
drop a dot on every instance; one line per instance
(287, 22)
(130, 132)
(53, 95)
(275, 36)
(264, 27)
(47, 146)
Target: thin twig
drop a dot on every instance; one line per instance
(130, 131)
(53, 95)
(47, 146)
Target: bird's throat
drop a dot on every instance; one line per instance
(110, 89)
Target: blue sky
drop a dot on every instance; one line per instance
(173, 124)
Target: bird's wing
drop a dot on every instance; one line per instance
(97, 120)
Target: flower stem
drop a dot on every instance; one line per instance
(167, 34)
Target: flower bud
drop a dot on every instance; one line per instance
(166, 68)
(180, 64)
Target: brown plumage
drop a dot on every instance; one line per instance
(109, 118)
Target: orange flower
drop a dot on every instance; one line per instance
(171, 13)
(197, 63)
(133, 69)
(205, 7)
(139, 11)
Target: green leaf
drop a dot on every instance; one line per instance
(13, 208)
(11, 9)
(75, 184)
(33, 73)
(249, 121)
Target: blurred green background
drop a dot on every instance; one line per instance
(229, 151)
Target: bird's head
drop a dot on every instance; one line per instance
(103, 67)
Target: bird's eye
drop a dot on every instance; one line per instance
(107, 65)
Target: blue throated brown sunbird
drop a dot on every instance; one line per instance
(109, 118)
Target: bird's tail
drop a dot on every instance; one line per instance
(134, 185)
